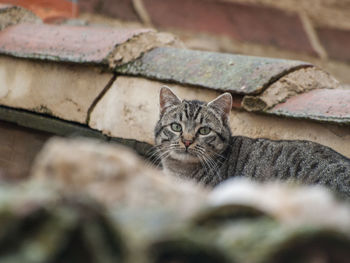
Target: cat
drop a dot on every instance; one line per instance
(193, 141)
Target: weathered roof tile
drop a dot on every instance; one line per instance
(218, 71)
(64, 43)
(330, 105)
(297, 82)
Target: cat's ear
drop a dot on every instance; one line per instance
(167, 98)
(222, 104)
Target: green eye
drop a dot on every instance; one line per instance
(176, 127)
(204, 130)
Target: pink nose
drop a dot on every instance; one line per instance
(187, 142)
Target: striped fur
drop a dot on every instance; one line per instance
(217, 156)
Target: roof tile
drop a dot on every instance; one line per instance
(64, 43)
(331, 105)
(225, 72)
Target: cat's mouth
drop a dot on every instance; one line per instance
(185, 155)
(187, 151)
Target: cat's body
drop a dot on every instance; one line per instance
(195, 142)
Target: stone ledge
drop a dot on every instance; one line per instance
(64, 91)
(79, 92)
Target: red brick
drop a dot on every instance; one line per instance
(88, 6)
(237, 102)
(122, 9)
(5, 6)
(270, 26)
(244, 22)
(194, 15)
(336, 42)
(47, 9)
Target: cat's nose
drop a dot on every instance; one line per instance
(187, 142)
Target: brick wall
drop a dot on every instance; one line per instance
(48, 10)
(315, 30)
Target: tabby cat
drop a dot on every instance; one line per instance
(193, 140)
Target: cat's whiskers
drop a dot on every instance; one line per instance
(204, 165)
(218, 155)
(164, 156)
(204, 152)
(164, 152)
(201, 155)
(159, 152)
(207, 165)
(214, 167)
(212, 152)
(202, 160)
(207, 162)
(153, 151)
(153, 156)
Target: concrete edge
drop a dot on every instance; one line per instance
(60, 127)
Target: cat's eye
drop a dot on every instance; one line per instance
(204, 130)
(176, 127)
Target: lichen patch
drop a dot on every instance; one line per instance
(140, 44)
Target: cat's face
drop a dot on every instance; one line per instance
(192, 131)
